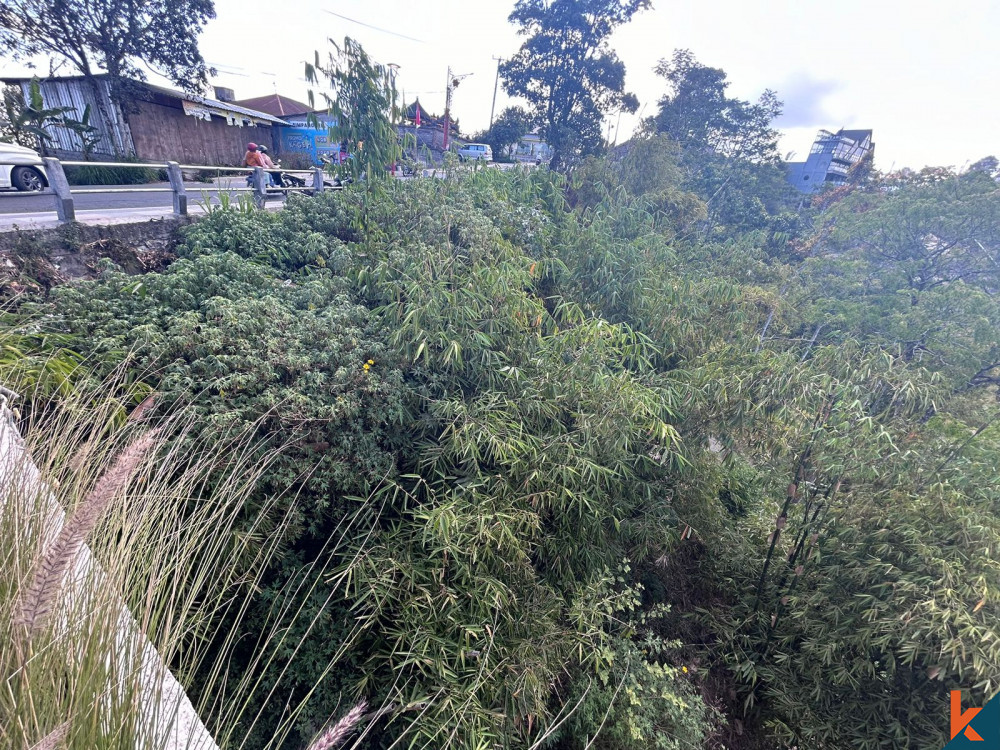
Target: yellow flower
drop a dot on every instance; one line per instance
(371, 361)
(367, 367)
(685, 669)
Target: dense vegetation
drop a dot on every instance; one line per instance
(565, 457)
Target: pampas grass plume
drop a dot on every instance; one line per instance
(335, 735)
(53, 739)
(56, 560)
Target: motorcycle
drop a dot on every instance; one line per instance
(281, 181)
(337, 180)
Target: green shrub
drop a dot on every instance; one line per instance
(798, 455)
(95, 175)
(295, 160)
(639, 702)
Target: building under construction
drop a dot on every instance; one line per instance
(831, 159)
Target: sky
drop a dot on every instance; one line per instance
(920, 74)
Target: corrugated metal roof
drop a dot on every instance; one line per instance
(858, 136)
(215, 104)
(166, 91)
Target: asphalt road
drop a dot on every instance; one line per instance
(23, 203)
(115, 204)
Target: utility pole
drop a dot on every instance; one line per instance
(496, 83)
(447, 111)
(453, 81)
(393, 70)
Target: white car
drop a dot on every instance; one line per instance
(21, 168)
(476, 152)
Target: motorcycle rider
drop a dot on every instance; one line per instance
(254, 158)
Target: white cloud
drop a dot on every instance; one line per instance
(805, 101)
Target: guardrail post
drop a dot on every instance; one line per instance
(180, 192)
(259, 186)
(60, 187)
(318, 184)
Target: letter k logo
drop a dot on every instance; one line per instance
(960, 721)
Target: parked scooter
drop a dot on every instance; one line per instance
(335, 180)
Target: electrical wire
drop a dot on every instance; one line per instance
(376, 28)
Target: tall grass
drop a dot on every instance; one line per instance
(126, 547)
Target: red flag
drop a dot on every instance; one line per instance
(418, 113)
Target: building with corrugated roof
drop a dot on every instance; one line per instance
(159, 123)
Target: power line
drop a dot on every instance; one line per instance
(376, 28)
(232, 70)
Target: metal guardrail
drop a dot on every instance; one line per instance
(66, 210)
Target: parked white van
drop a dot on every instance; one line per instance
(476, 152)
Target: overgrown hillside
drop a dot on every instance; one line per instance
(620, 455)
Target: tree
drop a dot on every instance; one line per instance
(363, 101)
(111, 36)
(512, 125)
(729, 149)
(913, 270)
(700, 117)
(567, 71)
(989, 165)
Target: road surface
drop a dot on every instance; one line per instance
(119, 204)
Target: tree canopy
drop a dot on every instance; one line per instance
(509, 127)
(112, 36)
(567, 71)
(727, 146)
(697, 113)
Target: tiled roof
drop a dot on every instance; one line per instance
(215, 104)
(276, 104)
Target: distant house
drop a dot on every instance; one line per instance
(532, 148)
(429, 134)
(274, 104)
(831, 158)
(161, 124)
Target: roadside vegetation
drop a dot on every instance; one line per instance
(609, 467)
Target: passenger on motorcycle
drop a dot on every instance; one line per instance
(275, 177)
